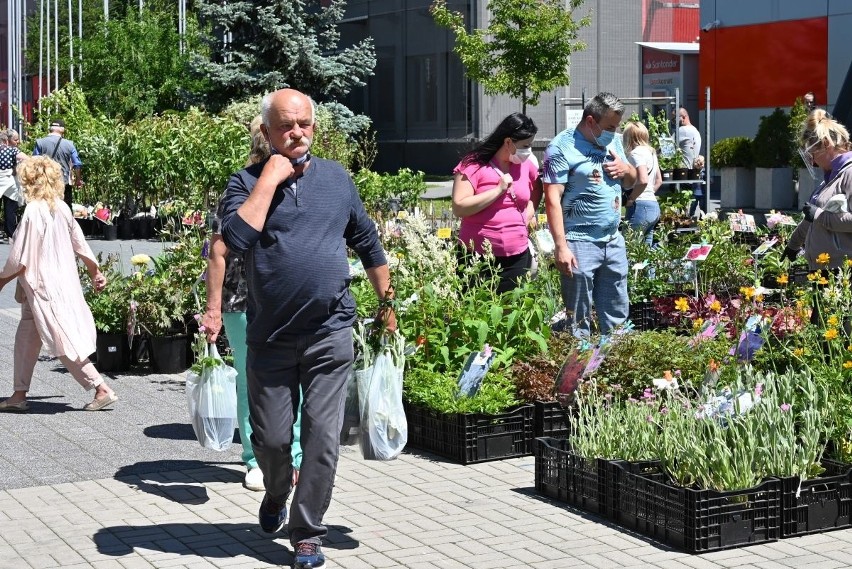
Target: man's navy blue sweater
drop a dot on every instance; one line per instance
(296, 267)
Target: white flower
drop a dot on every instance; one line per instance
(664, 383)
(140, 259)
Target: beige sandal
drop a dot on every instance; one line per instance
(102, 403)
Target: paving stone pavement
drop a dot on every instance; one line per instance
(130, 487)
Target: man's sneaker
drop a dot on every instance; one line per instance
(309, 556)
(254, 480)
(272, 515)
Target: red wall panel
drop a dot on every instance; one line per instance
(764, 65)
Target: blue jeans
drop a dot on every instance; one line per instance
(643, 216)
(320, 365)
(600, 279)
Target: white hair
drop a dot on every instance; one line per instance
(266, 107)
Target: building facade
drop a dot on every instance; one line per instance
(426, 112)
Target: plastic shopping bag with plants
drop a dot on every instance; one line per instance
(211, 395)
(383, 426)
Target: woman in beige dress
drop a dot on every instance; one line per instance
(54, 314)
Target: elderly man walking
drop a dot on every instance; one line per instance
(63, 151)
(292, 217)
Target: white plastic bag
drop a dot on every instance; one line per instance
(384, 429)
(212, 401)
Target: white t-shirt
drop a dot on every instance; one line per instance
(690, 143)
(643, 156)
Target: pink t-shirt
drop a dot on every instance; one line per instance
(503, 222)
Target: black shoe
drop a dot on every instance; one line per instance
(272, 515)
(309, 556)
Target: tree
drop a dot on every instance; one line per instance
(525, 50)
(280, 43)
(133, 67)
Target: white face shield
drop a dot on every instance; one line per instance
(808, 159)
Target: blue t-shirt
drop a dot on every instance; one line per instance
(591, 203)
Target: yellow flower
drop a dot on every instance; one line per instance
(823, 258)
(758, 298)
(697, 324)
(849, 348)
(830, 334)
(812, 276)
(716, 306)
(747, 291)
(847, 364)
(849, 262)
(833, 321)
(799, 352)
(781, 279)
(682, 304)
(822, 281)
(140, 259)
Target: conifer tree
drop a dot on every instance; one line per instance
(261, 45)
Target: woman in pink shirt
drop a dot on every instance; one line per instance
(496, 193)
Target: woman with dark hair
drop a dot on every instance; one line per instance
(496, 193)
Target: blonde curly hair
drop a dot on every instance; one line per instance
(41, 179)
(259, 145)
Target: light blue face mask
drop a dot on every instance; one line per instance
(604, 138)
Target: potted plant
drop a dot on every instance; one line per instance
(733, 157)
(110, 309)
(773, 151)
(164, 301)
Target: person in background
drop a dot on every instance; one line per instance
(585, 170)
(10, 157)
(54, 313)
(63, 151)
(809, 101)
(226, 305)
(643, 211)
(496, 192)
(827, 224)
(689, 140)
(292, 217)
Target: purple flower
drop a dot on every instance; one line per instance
(608, 396)
(664, 411)
(205, 249)
(649, 419)
(632, 400)
(677, 372)
(785, 407)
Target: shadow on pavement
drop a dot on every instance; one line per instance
(177, 432)
(38, 406)
(181, 481)
(209, 540)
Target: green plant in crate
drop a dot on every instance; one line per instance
(440, 391)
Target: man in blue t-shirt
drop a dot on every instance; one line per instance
(585, 169)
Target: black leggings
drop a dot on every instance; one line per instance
(510, 268)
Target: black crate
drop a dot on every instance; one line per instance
(823, 504)
(568, 477)
(550, 420)
(696, 520)
(469, 438)
(644, 316)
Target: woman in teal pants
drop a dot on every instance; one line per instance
(226, 297)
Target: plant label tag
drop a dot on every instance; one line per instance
(444, 233)
(542, 218)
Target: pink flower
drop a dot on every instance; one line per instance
(758, 389)
(785, 407)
